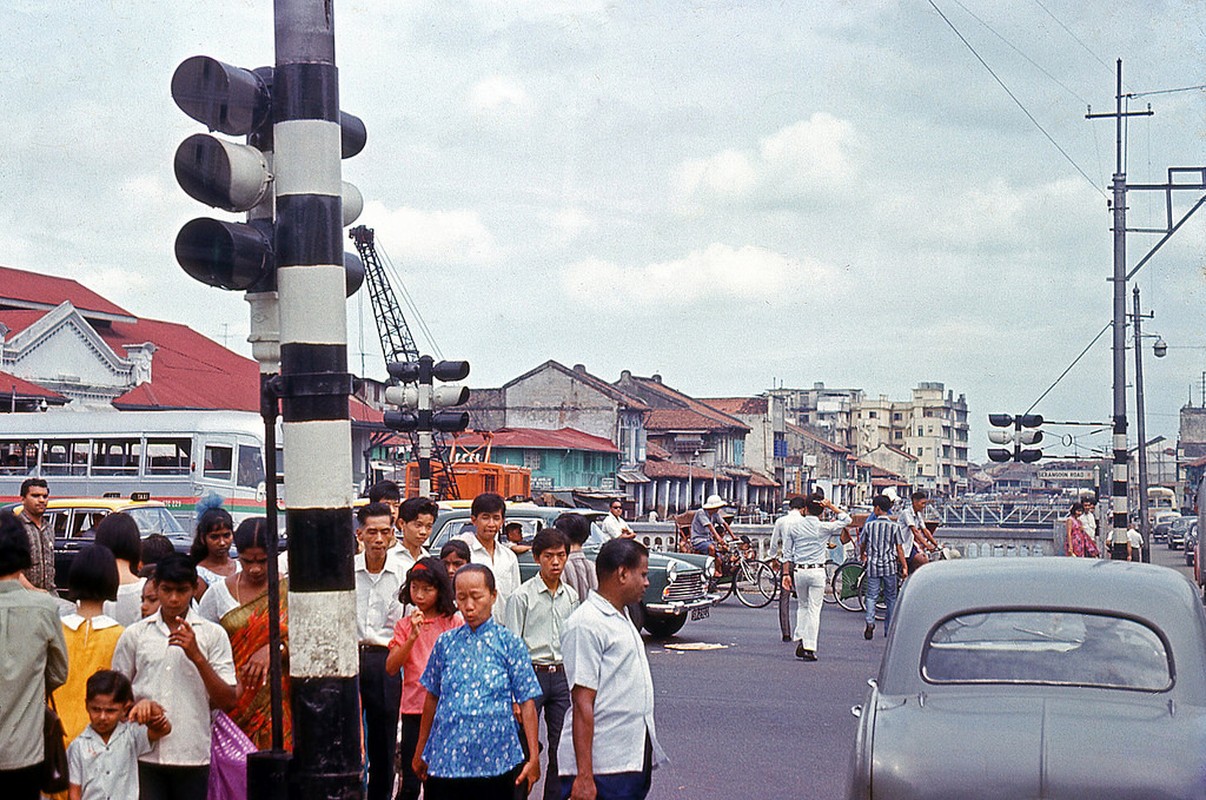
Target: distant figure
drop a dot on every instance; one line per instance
(882, 542)
(211, 548)
(706, 526)
(613, 525)
(1088, 519)
(454, 554)
(34, 496)
(1079, 543)
(912, 516)
(775, 552)
(806, 546)
(513, 532)
(1135, 539)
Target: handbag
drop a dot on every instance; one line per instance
(54, 758)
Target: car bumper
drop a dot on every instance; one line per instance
(677, 608)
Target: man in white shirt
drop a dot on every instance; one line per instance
(614, 525)
(806, 544)
(183, 662)
(416, 517)
(488, 513)
(610, 728)
(921, 541)
(379, 578)
(774, 551)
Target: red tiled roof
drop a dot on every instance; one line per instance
(47, 291)
(657, 452)
(681, 419)
(360, 411)
(188, 371)
(541, 439)
(670, 469)
(750, 406)
(11, 384)
(758, 479)
(674, 399)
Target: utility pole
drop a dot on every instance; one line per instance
(1142, 426)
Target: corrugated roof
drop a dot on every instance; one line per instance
(21, 289)
(674, 399)
(11, 384)
(750, 406)
(670, 469)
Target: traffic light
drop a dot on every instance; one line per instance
(419, 403)
(1021, 437)
(238, 177)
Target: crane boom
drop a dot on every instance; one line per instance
(396, 340)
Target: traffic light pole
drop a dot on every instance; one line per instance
(426, 437)
(315, 385)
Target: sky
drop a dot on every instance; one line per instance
(733, 195)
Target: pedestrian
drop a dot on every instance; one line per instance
(775, 553)
(488, 515)
(239, 604)
(1077, 541)
(579, 571)
(183, 662)
(379, 580)
(921, 541)
(706, 525)
(119, 533)
(35, 494)
(389, 493)
(613, 525)
(1088, 519)
(807, 545)
(537, 614)
(513, 533)
(155, 548)
(1135, 540)
(211, 546)
(102, 763)
(428, 591)
(415, 519)
(90, 634)
(34, 657)
(881, 545)
(468, 744)
(454, 554)
(609, 729)
(149, 601)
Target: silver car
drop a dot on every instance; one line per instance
(1038, 678)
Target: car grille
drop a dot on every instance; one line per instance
(688, 585)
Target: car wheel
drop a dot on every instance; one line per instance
(664, 627)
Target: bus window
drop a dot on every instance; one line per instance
(218, 461)
(251, 467)
(115, 456)
(61, 457)
(18, 457)
(168, 456)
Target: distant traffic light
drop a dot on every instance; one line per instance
(1021, 437)
(418, 401)
(239, 177)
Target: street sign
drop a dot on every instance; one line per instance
(1065, 474)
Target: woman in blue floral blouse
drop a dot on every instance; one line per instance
(468, 740)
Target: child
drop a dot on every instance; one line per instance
(579, 571)
(91, 635)
(119, 533)
(468, 744)
(150, 598)
(155, 548)
(183, 662)
(514, 533)
(102, 762)
(537, 614)
(454, 554)
(429, 591)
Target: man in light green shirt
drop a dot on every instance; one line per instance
(35, 655)
(537, 613)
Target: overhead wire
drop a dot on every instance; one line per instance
(1018, 102)
(1075, 361)
(1076, 38)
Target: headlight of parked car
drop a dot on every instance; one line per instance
(671, 572)
(710, 567)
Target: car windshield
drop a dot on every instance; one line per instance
(1068, 648)
(154, 520)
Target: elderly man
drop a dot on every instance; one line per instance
(706, 526)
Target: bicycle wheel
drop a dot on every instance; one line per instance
(721, 586)
(848, 586)
(754, 584)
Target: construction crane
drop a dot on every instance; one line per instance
(398, 344)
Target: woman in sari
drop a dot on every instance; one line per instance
(239, 604)
(1079, 543)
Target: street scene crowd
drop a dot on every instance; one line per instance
(159, 668)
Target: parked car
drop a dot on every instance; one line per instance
(1160, 525)
(677, 584)
(1052, 677)
(1176, 533)
(1191, 543)
(73, 519)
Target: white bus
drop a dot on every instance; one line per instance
(176, 456)
(1160, 498)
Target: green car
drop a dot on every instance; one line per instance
(677, 584)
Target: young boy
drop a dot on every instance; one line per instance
(488, 514)
(514, 533)
(183, 662)
(102, 761)
(537, 613)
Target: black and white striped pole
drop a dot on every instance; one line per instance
(315, 382)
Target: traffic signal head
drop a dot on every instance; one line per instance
(229, 255)
(231, 100)
(451, 371)
(222, 174)
(401, 420)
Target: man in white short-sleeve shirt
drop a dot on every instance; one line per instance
(488, 515)
(610, 728)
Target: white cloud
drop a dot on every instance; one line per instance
(800, 158)
(718, 271)
(435, 237)
(572, 222)
(499, 94)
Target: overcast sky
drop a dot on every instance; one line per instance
(729, 194)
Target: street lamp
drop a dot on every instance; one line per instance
(1160, 349)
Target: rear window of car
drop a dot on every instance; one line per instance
(1065, 648)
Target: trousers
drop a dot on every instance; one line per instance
(380, 699)
(873, 584)
(810, 594)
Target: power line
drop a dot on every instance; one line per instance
(1013, 97)
(1200, 86)
(1108, 325)
(1074, 36)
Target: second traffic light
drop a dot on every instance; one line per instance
(419, 404)
(1021, 437)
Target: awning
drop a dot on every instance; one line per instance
(632, 476)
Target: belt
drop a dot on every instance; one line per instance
(548, 667)
(373, 648)
(810, 566)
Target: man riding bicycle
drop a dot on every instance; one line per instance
(912, 517)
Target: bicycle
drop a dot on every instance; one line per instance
(848, 585)
(739, 572)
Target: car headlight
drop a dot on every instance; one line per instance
(671, 572)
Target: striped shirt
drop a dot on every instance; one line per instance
(879, 538)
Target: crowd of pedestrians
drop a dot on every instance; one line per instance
(461, 663)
